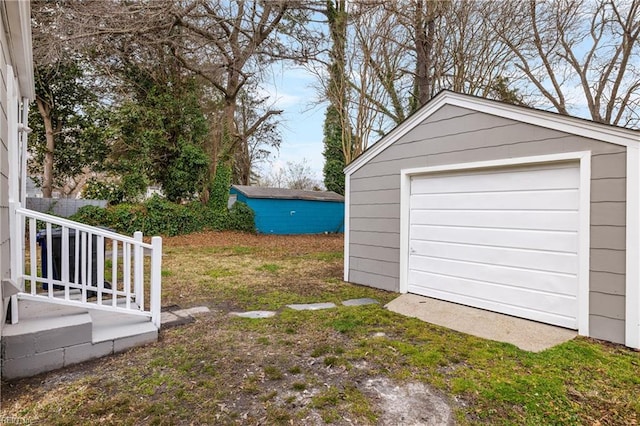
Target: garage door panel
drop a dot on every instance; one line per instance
(540, 220)
(535, 240)
(508, 295)
(565, 199)
(567, 321)
(504, 180)
(551, 282)
(517, 258)
(502, 239)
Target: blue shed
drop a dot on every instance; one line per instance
(293, 211)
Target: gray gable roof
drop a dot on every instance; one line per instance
(547, 119)
(289, 194)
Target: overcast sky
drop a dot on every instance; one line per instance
(292, 91)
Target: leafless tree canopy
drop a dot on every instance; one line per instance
(400, 54)
(294, 175)
(571, 56)
(577, 53)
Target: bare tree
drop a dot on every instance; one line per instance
(579, 53)
(359, 75)
(397, 55)
(423, 23)
(262, 140)
(67, 141)
(276, 178)
(376, 83)
(227, 44)
(113, 35)
(474, 57)
(294, 175)
(381, 63)
(566, 53)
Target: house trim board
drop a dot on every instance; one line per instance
(18, 17)
(632, 272)
(347, 221)
(12, 145)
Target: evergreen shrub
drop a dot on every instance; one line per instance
(158, 216)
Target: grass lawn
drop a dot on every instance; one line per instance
(308, 367)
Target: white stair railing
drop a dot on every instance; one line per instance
(73, 264)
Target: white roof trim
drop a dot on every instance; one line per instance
(18, 15)
(571, 125)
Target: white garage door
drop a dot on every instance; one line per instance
(503, 239)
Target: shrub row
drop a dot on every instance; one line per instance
(158, 216)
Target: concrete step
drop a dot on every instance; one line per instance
(51, 336)
(44, 327)
(37, 343)
(125, 331)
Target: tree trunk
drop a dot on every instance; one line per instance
(47, 178)
(243, 164)
(75, 184)
(229, 143)
(424, 27)
(337, 17)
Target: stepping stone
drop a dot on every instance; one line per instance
(360, 302)
(171, 316)
(254, 314)
(191, 311)
(312, 306)
(169, 319)
(166, 317)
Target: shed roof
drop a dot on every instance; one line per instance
(288, 194)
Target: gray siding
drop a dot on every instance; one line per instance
(457, 135)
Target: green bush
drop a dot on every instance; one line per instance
(92, 215)
(241, 217)
(158, 216)
(127, 218)
(219, 188)
(128, 188)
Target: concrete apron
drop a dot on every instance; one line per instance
(527, 335)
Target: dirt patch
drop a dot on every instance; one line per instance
(410, 404)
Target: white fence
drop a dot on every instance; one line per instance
(73, 264)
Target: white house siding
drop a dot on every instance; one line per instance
(5, 255)
(15, 51)
(456, 135)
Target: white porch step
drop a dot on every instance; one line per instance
(51, 336)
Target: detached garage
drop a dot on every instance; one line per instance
(504, 208)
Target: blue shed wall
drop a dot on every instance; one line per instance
(283, 216)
